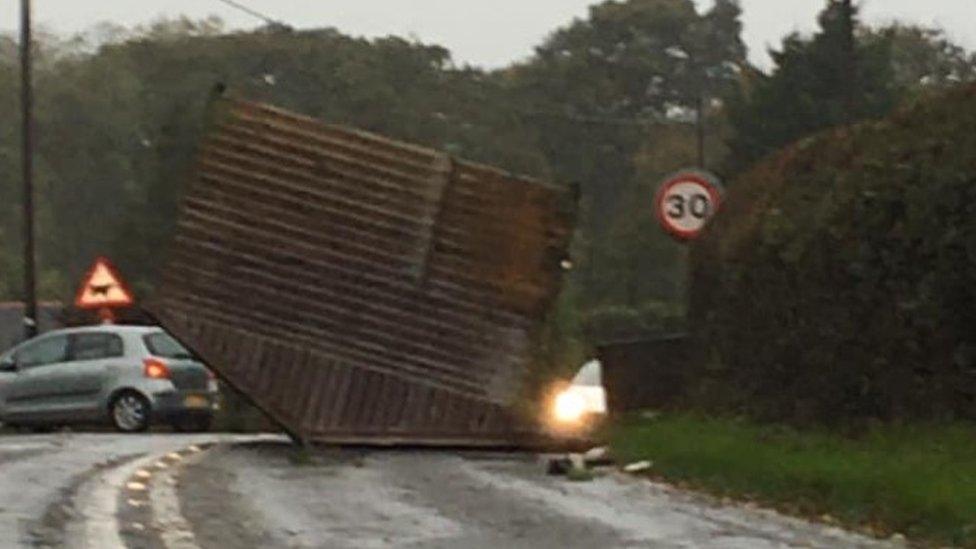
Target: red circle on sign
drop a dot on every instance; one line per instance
(707, 182)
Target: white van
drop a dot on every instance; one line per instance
(585, 399)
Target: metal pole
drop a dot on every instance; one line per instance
(701, 132)
(27, 148)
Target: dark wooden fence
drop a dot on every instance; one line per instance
(649, 373)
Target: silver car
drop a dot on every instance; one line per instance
(126, 376)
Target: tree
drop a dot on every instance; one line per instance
(595, 92)
(818, 82)
(844, 73)
(923, 59)
(595, 83)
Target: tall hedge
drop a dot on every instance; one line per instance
(839, 280)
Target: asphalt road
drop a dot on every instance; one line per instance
(40, 476)
(169, 491)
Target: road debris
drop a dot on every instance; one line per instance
(638, 467)
(360, 289)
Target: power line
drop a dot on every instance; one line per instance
(253, 12)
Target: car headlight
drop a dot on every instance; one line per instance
(569, 407)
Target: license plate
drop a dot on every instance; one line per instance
(196, 401)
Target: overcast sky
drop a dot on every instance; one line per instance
(488, 34)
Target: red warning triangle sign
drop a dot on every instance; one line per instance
(103, 288)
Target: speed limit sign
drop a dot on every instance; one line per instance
(686, 201)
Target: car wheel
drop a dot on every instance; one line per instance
(193, 424)
(129, 413)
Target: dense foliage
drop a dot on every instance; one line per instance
(838, 282)
(844, 73)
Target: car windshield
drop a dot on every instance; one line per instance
(589, 375)
(163, 345)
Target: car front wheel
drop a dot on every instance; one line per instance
(130, 413)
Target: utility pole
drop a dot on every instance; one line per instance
(701, 130)
(27, 149)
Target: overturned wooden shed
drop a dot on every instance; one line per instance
(360, 289)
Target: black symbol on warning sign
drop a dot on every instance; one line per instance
(101, 290)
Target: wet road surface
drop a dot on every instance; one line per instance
(174, 491)
(267, 495)
(40, 473)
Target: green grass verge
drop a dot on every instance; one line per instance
(917, 480)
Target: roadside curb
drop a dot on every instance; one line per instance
(148, 500)
(97, 502)
(168, 519)
(105, 503)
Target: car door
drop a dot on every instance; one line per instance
(32, 393)
(93, 357)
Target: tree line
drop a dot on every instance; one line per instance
(609, 102)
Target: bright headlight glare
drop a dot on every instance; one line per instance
(569, 407)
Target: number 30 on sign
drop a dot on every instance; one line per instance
(686, 201)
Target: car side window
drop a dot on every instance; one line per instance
(49, 350)
(95, 346)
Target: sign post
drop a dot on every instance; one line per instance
(686, 201)
(103, 290)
